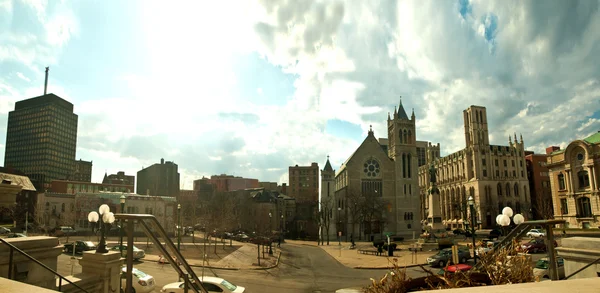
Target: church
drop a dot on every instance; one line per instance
(376, 190)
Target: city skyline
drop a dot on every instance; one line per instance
(259, 94)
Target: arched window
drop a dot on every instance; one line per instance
(507, 189)
(408, 165)
(62, 207)
(500, 207)
(477, 116)
(561, 181)
(403, 165)
(499, 189)
(584, 208)
(584, 179)
(525, 192)
(400, 135)
(516, 189)
(405, 138)
(509, 204)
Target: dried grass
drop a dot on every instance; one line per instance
(506, 266)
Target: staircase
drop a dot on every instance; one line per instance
(152, 228)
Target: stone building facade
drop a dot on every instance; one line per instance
(384, 175)
(496, 176)
(574, 182)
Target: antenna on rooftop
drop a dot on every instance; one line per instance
(46, 82)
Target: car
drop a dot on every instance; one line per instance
(62, 231)
(16, 235)
(137, 253)
(536, 233)
(444, 257)
(211, 284)
(4, 230)
(541, 268)
(80, 246)
(535, 245)
(142, 282)
(454, 268)
(459, 231)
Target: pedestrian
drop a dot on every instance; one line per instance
(279, 241)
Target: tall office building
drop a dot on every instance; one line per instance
(41, 139)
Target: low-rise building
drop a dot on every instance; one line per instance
(574, 182)
(119, 178)
(72, 187)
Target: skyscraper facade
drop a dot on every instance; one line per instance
(159, 179)
(41, 138)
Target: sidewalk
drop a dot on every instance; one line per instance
(238, 256)
(351, 258)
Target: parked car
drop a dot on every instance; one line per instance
(536, 233)
(4, 230)
(535, 245)
(62, 231)
(142, 282)
(16, 235)
(211, 284)
(541, 268)
(80, 246)
(488, 246)
(137, 253)
(495, 233)
(444, 257)
(453, 269)
(459, 231)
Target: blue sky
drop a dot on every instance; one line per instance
(252, 87)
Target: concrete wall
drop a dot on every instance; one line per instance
(578, 252)
(44, 249)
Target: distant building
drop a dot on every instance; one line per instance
(82, 171)
(72, 187)
(304, 183)
(539, 185)
(119, 178)
(41, 139)
(273, 186)
(227, 183)
(574, 182)
(304, 188)
(159, 179)
(18, 194)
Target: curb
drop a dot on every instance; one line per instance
(266, 268)
(387, 268)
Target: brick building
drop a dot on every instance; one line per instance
(539, 185)
(119, 178)
(159, 179)
(82, 171)
(72, 187)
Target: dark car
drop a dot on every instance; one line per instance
(16, 235)
(80, 246)
(444, 256)
(495, 233)
(535, 245)
(459, 231)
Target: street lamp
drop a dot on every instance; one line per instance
(340, 224)
(471, 202)
(270, 249)
(122, 201)
(106, 218)
(504, 218)
(178, 226)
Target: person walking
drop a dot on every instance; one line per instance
(279, 241)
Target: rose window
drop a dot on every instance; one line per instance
(371, 168)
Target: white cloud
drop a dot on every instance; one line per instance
(23, 77)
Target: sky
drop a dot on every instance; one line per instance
(250, 88)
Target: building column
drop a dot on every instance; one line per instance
(569, 181)
(592, 177)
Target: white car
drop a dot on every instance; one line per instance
(211, 284)
(137, 253)
(142, 282)
(536, 233)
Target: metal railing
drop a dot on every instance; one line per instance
(150, 224)
(521, 230)
(11, 265)
(583, 268)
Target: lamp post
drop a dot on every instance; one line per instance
(122, 201)
(340, 224)
(178, 226)
(104, 217)
(504, 218)
(270, 232)
(471, 202)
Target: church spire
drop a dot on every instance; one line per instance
(401, 112)
(328, 165)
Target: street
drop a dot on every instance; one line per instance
(302, 268)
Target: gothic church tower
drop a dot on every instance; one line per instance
(403, 151)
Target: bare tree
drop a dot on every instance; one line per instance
(356, 204)
(68, 219)
(374, 211)
(324, 219)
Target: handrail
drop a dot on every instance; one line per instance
(168, 242)
(581, 269)
(12, 247)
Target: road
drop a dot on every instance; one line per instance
(302, 268)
